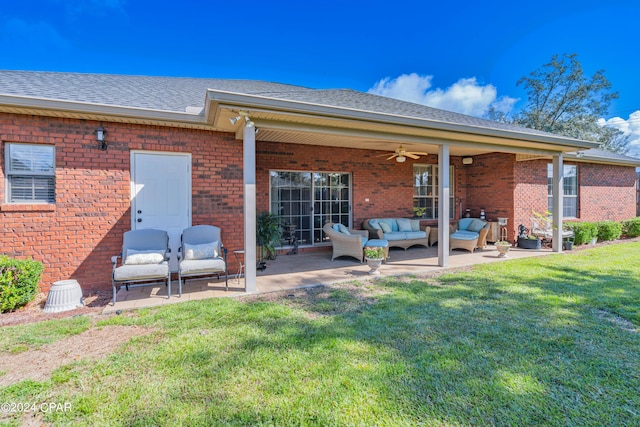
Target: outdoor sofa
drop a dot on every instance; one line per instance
(399, 232)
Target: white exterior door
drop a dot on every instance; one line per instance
(161, 195)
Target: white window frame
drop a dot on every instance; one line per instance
(570, 201)
(432, 189)
(12, 174)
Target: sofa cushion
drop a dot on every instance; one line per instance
(404, 224)
(464, 235)
(415, 225)
(464, 223)
(386, 228)
(416, 235)
(397, 235)
(476, 225)
(340, 228)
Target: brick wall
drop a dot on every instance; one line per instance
(76, 237)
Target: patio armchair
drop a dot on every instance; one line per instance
(202, 253)
(346, 244)
(468, 234)
(145, 260)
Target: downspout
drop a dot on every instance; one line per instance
(249, 179)
(443, 205)
(558, 202)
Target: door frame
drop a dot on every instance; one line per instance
(132, 173)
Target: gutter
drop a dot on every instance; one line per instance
(80, 107)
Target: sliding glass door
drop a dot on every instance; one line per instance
(307, 200)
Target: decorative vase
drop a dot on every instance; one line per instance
(374, 264)
(502, 250)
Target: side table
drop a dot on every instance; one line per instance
(239, 254)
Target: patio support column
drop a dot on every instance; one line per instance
(443, 205)
(558, 196)
(249, 168)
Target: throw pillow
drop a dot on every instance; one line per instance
(202, 251)
(375, 224)
(404, 225)
(476, 225)
(343, 229)
(415, 225)
(154, 256)
(386, 228)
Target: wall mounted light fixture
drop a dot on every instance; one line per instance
(102, 144)
(467, 160)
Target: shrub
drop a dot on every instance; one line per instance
(631, 227)
(609, 230)
(583, 232)
(18, 282)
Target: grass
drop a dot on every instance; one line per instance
(542, 341)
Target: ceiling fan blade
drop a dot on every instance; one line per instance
(411, 156)
(418, 153)
(391, 156)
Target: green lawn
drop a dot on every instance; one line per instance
(551, 340)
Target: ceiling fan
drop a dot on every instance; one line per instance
(401, 154)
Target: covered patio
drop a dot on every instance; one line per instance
(312, 268)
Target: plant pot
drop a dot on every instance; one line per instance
(502, 250)
(525, 243)
(374, 264)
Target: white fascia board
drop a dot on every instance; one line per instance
(276, 104)
(100, 109)
(573, 157)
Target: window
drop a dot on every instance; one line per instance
(30, 171)
(570, 189)
(425, 190)
(309, 199)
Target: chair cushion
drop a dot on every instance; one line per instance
(201, 251)
(476, 225)
(415, 225)
(386, 228)
(464, 223)
(193, 266)
(340, 228)
(141, 272)
(404, 224)
(153, 256)
(464, 235)
(377, 243)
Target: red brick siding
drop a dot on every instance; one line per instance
(77, 236)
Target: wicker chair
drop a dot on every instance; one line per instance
(468, 244)
(345, 244)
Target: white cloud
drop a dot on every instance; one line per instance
(630, 127)
(465, 96)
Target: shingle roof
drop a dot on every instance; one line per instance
(177, 94)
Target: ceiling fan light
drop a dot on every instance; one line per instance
(401, 159)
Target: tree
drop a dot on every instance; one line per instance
(562, 100)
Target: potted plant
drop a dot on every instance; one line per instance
(419, 212)
(374, 257)
(268, 234)
(503, 247)
(526, 240)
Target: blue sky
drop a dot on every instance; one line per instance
(463, 56)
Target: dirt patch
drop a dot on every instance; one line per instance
(94, 303)
(39, 364)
